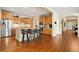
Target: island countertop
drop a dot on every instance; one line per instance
(19, 34)
(23, 28)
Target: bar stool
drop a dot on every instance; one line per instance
(24, 31)
(38, 32)
(31, 33)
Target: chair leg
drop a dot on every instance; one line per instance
(27, 37)
(23, 38)
(37, 35)
(33, 36)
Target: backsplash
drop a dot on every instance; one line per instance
(22, 25)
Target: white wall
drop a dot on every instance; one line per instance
(64, 21)
(56, 28)
(60, 26)
(77, 14)
(70, 24)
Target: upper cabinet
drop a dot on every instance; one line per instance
(46, 19)
(46, 24)
(30, 20)
(6, 15)
(49, 19)
(16, 20)
(27, 20)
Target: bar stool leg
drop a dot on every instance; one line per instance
(23, 38)
(27, 37)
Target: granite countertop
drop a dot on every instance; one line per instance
(23, 28)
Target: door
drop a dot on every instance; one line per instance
(69, 25)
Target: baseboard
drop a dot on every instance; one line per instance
(57, 34)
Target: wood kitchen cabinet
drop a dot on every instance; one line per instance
(6, 15)
(27, 20)
(13, 32)
(46, 21)
(16, 20)
(30, 20)
(41, 19)
(24, 20)
(50, 19)
(47, 31)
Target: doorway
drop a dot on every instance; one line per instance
(69, 24)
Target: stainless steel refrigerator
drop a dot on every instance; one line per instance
(6, 27)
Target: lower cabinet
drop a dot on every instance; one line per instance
(47, 31)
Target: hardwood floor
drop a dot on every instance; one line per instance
(61, 43)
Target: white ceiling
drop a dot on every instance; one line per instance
(27, 11)
(37, 11)
(64, 11)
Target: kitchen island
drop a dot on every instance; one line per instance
(19, 34)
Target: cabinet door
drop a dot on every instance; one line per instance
(41, 19)
(6, 15)
(9, 16)
(49, 19)
(24, 20)
(16, 20)
(44, 20)
(49, 31)
(44, 31)
(30, 21)
(13, 32)
(3, 15)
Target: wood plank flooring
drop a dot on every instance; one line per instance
(45, 43)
